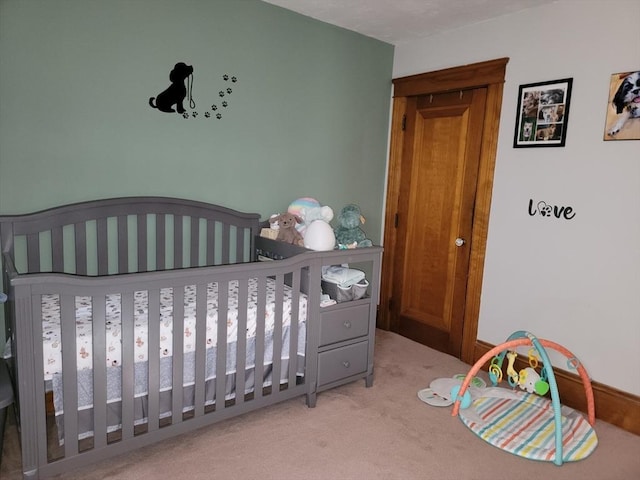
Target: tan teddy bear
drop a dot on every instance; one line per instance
(287, 228)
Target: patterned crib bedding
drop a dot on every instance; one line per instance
(52, 351)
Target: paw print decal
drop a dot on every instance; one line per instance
(544, 209)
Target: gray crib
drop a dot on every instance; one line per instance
(97, 289)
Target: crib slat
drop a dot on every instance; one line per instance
(35, 393)
(177, 241)
(221, 356)
(33, 252)
(161, 243)
(142, 242)
(57, 249)
(99, 371)
(277, 335)
(201, 348)
(195, 241)
(211, 245)
(293, 328)
(69, 379)
(123, 244)
(225, 243)
(103, 246)
(260, 347)
(241, 350)
(178, 355)
(153, 353)
(81, 248)
(239, 245)
(128, 342)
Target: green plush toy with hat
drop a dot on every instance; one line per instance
(348, 232)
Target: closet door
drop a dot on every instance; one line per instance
(444, 135)
(435, 210)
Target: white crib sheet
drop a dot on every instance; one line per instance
(52, 352)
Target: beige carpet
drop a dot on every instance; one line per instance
(383, 432)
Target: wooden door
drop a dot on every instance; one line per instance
(443, 143)
(435, 212)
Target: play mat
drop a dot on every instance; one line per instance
(524, 422)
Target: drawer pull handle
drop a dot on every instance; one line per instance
(347, 324)
(346, 364)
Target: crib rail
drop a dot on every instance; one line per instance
(129, 234)
(26, 298)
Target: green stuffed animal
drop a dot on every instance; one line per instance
(348, 232)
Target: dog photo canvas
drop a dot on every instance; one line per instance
(623, 107)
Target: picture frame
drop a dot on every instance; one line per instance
(543, 113)
(622, 121)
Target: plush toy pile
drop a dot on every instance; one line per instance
(307, 223)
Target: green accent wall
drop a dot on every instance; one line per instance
(307, 116)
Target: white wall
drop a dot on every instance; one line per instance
(574, 282)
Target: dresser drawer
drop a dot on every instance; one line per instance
(342, 362)
(344, 323)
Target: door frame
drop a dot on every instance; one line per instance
(491, 75)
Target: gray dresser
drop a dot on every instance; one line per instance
(342, 335)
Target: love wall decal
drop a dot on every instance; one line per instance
(547, 210)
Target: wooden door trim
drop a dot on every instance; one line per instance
(474, 75)
(489, 74)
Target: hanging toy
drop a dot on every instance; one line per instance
(533, 358)
(495, 372)
(511, 372)
(542, 386)
(530, 381)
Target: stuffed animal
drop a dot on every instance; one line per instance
(348, 232)
(287, 228)
(298, 206)
(272, 231)
(318, 234)
(531, 381)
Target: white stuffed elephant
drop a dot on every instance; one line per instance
(318, 234)
(527, 379)
(531, 381)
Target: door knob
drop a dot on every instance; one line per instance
(460, 242)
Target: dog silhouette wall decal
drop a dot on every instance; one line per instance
(176, 93)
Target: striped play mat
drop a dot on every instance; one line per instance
(523, 424)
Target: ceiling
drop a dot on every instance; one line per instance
(396, 21)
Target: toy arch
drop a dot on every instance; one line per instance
(523, 338)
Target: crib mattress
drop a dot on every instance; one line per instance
(523, 424)
(52, 352)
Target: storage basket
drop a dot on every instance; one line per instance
(345, 294)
